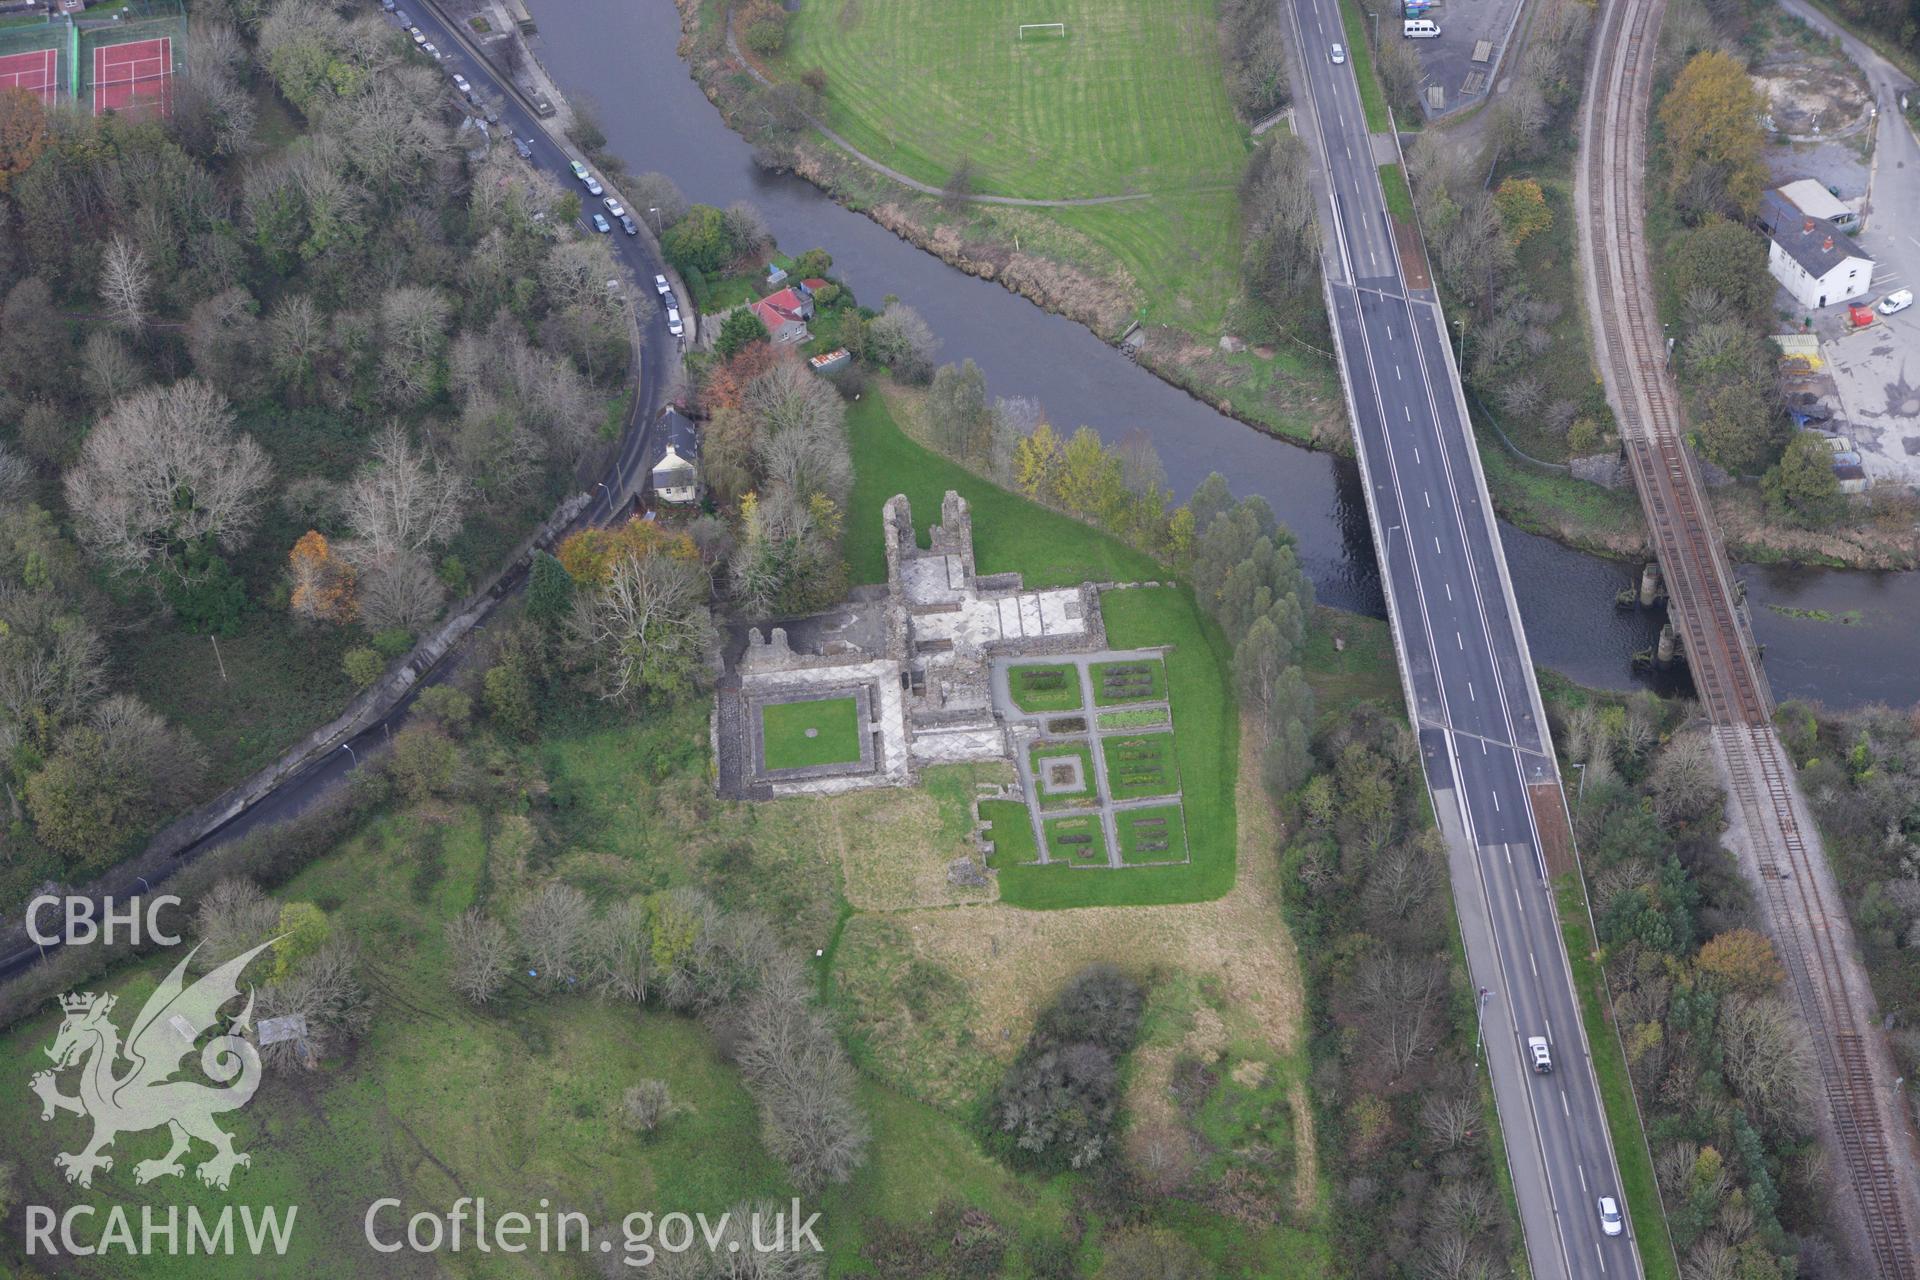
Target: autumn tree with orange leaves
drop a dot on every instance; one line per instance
(323, 583)
(589, 555)
(23, 132)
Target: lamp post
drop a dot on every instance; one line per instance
(348, 748)
(1480, 1022)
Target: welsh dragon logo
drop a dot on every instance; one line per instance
(144, 1095)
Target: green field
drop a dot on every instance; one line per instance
(1141, 765)
(820, 731)
(1160, 824)
(1206, 754)
(1051, 687)
(1009, 533)
(1132, 101)
(1138, 718)
(1087, 794)
(1118, 683)
(1079, 841)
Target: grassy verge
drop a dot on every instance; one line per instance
(1373, 103)
(1605, 521)
(1639, 1189)
(1009, 533)
(1393, 182)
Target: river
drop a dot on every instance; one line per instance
(621, 56)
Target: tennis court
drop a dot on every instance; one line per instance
(36, 71)
(136, 74)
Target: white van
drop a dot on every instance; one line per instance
(1419, 29)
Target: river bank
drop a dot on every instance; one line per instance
(621, 55)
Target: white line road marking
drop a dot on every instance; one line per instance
(1583, 1179)
(1508, 850)
(1449, 587)
(1458, 643)
(1483, 746)
(1564, 1108)
(1436, 544)
(1409, 412)
(1416, 457)
(1428, 497)
(1599, 1255)
(1496, 802)
(1531, 964)
(1396, 373)
(1470, 695)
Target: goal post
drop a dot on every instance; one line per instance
(1043, 31)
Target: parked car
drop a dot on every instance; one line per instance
(661, 287)
(674, 326)
(628, 225)
(400, 16)
(1339, 55)
(593, 186)
(613, 207)
(670, 302)
(419, 36)
(1898, 300)
(1539, 1055)
(460, 83)
(600, 224)
(430, 51)
(1610, 1221)
(524, 147)
(580, 171)
(388, 5)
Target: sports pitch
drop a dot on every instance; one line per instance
(1132, 99)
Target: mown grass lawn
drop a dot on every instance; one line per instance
(1045, 687)
(818, 731)
(1141, 765)
(1131, 680)
(1009, 533)
(1079, 841)
(1133, 100)
(1048, 757)
(1140, 830)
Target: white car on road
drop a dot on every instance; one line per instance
(1339, 55)
(1610, 1221)
(674, 326)
(661, 287)
(613, 207)
(1897, 301)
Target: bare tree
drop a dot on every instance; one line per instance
(647, 1105)
(326, 993)
(746, 228)
(233, 915)
(803, 1084)
(648, 629)
(1686, 785)
(16, 477)
(904, 341)
(1768, 1060)
(655, 196)
(413, 331)
(620, 953)
(1398, 996)
(165, 469)
(402, 500)
(551, 929)
(480, 955)
(1450, 1119)
(110, 369)
(400, 590)
(142, 750)
(126, 284)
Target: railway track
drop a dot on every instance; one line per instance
(1794, 880)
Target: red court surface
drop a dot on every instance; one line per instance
(136, 74)
(34, 72)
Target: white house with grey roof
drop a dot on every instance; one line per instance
(1817, 262)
